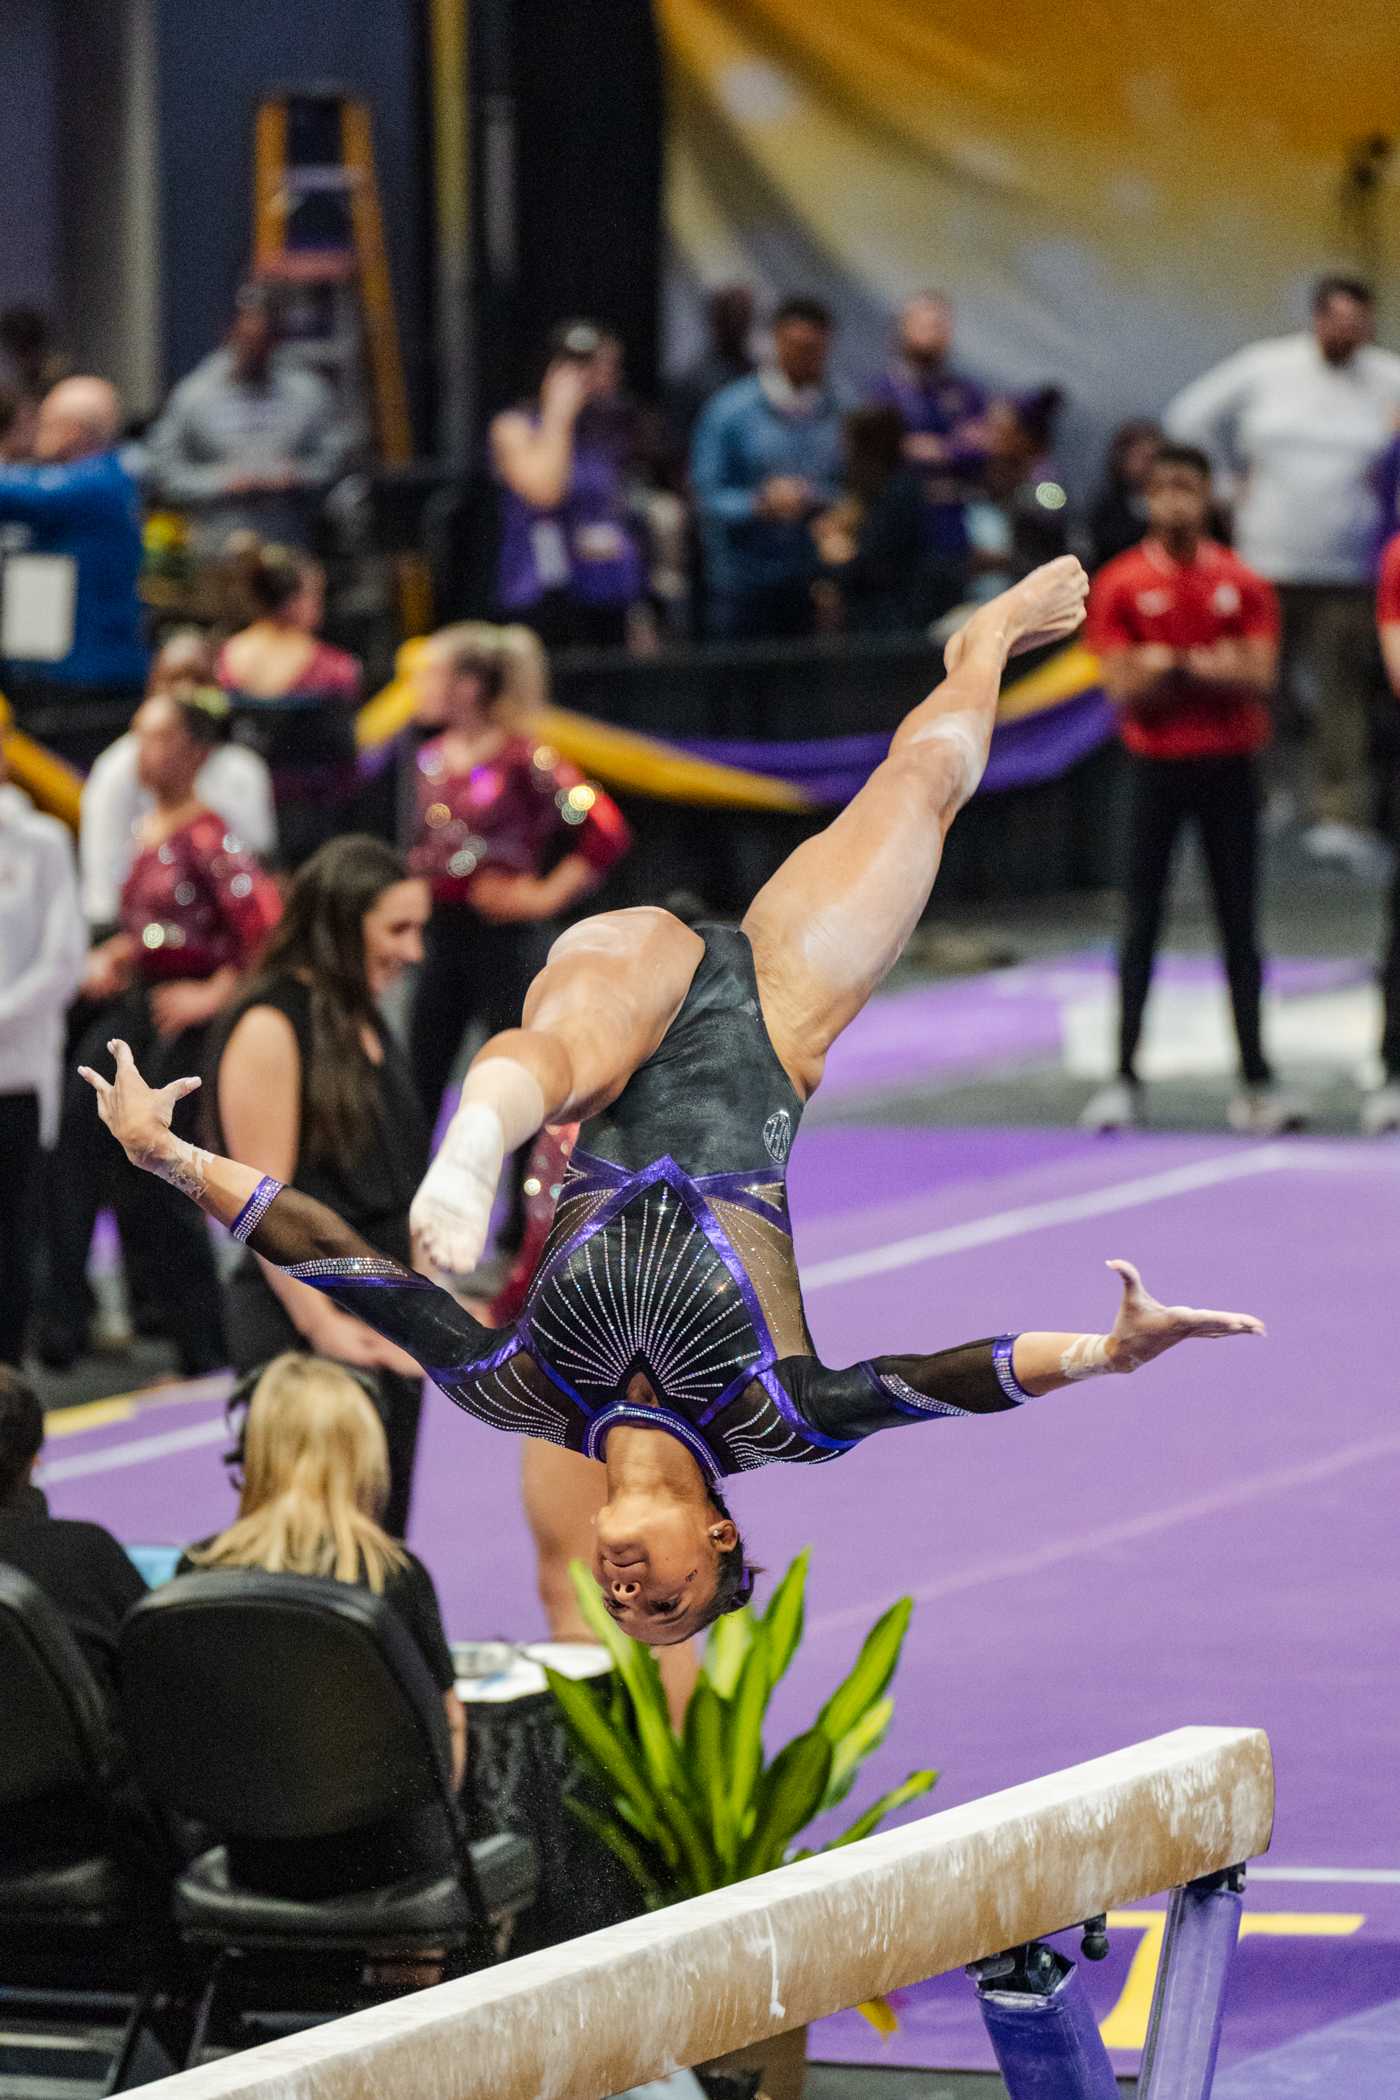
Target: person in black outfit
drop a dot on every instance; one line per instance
(80, 1567)
(872, 543)
(316, 1480)
(311, 1086)
(1118, 516)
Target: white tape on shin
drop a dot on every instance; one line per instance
(964, 736)
(501, 1107)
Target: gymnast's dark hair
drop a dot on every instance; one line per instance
(734, 1579)
(321, 939)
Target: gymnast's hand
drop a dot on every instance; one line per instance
(137, 1115)
(1144, 1328)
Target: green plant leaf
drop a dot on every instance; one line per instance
(744, 1733)
(621, 1846)
(613, 1757)
(676, 1803)
(703, 1747)
(782, 1622)
(874, 1667)
(726, 1648)
(789, 1795)
(908, 1790)
(854, 1747)
(636, 1667)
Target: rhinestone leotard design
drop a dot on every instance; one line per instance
(670, 1274)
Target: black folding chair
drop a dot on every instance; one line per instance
(295, 1720)
(84, 1932)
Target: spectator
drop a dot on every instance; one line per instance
(871, 543)
(17, 428)
(316, 1480)
(41, 960)
(941, 410)
(729, 314)
(195, 908)
(570, 563)
(1019, 519)
(508, 836)
(80, 1567)
(251, 440)
(766, 460)
(312, 1087)
(1118, 515)
(1304, 419)
(1188, 636)
(234, 782)
(81, 510)
(1381, 1112)
(294, 699)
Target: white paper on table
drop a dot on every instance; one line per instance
(40, 597)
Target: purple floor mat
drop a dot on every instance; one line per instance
(1213, 1541)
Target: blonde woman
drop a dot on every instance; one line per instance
(507, 835)
(315, 1480)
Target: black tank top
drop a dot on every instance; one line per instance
(372, 1190)
(713, 1097)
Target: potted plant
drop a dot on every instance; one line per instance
(696, 1809)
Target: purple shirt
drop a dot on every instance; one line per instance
(585, 547)
(936, 406)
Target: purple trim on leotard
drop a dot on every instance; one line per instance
(1010, 1384)
(650, 1418)
(257, 1207)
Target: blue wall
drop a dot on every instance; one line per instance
(217, 58)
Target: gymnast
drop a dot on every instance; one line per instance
(664, 1332)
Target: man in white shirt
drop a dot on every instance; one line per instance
(1300, 422)
(42, 948)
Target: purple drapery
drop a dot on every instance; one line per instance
(1035, 748)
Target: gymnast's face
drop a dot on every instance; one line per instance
(656, 1560)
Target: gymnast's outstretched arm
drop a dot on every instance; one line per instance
(285, 1227)
(987, 1377)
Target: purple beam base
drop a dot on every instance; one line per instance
(1183, 2035)
(1042, 2027)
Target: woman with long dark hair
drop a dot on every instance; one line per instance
(293, 698)
(312, 1086)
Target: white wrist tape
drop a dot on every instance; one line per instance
(184, 1166)
(1086, 1357)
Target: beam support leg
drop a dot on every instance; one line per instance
(1183, 2034)
(1041, 2026)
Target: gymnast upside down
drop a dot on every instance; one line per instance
(664, 1332)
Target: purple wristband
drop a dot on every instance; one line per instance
(256, 1208)
(1006, 1376)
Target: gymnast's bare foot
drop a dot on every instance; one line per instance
(1046, 606)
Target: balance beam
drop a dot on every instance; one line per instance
(614, 2009)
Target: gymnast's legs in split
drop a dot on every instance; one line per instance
(825, 931)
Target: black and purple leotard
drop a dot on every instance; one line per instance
(670, 1256)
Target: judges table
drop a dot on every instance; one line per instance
(521, 1773)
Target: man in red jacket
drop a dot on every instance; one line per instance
(1381, 1112)
(1188, 639)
